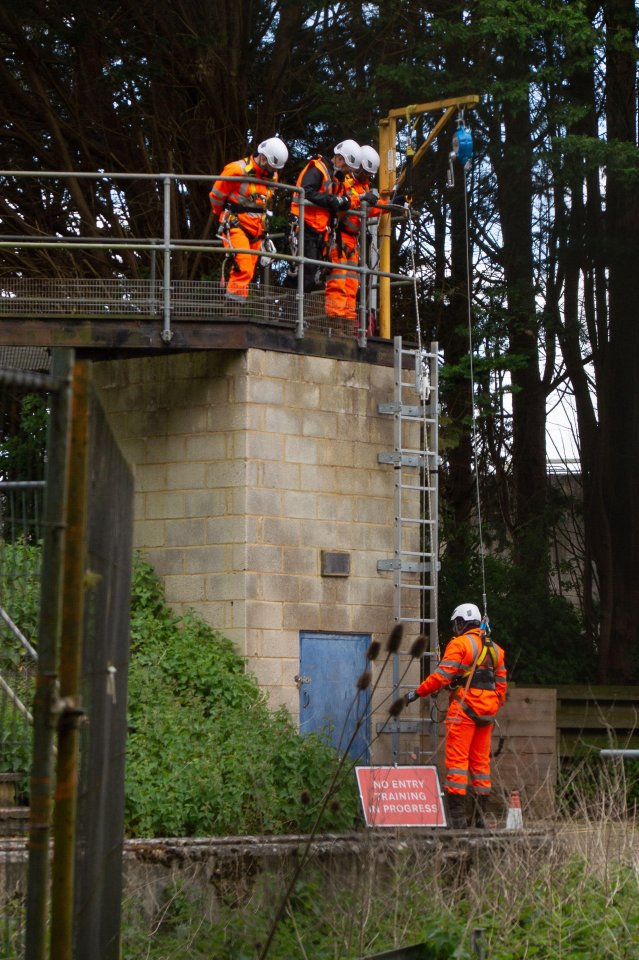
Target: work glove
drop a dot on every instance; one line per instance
(369, 197)
(411, 697)
(335, 204)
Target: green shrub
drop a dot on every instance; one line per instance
(20, 598)
(206, 756)
(19, 594)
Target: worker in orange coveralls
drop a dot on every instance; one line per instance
(241, 208)
(473, 668)
(343, 284)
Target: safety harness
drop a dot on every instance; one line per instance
(481, 676)
(232, 209)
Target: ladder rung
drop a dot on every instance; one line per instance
(417, 553)
(416, 486)
(413, 620)
(416, 450)
(416, 586)
(416, 520)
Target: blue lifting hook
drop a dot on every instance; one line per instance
(462, 149)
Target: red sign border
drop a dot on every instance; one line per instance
(376, 820)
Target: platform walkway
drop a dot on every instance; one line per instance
(190, 300)
(95, 267)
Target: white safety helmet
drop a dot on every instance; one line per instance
(275, 152)
(370, 160)
(467, 612)
(352, 153)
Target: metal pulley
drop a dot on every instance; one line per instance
(462, 150)
(422, 375)
(463, 145)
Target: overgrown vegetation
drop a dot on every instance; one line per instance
(573, 895)
(206, 755)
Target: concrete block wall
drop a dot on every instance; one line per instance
(247, 466)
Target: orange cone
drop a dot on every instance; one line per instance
(514, 819)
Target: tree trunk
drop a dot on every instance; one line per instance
(619, 404)
(514, 197)
(458, 486)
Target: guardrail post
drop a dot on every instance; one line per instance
(299, 329)
(167, 334)
(363, 278)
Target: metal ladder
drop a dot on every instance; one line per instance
(414, 564)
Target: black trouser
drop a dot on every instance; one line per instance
(314, 249)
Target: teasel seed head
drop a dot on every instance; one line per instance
(395, 638)
(396, 707)
(419, 646)
(373, 650)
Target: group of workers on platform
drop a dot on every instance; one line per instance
(331, 228)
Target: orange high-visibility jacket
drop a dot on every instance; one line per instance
(318, 184)
(245, 201)
(355, 189)
(487, 689)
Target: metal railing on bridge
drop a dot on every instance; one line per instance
(140, 282)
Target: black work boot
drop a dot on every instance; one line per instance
(456, 804)
(478, 811)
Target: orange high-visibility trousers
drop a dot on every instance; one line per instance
(467, 754)
(244, 264)
(340, 295)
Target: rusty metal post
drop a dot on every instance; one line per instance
(70, 716)
(49, 629)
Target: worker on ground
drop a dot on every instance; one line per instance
(241, 207)
(326, 196)
(474, 670)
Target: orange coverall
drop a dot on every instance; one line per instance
(471, 711)
(242, 211)
(319, 187)
(342, 284)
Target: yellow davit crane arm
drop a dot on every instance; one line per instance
(388, 182)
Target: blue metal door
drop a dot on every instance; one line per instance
(330, 703)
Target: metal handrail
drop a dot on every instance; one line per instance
(169, 245)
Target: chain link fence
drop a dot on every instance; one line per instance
(24, 401)
(65, 566)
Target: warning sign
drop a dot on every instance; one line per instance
(401, 796)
